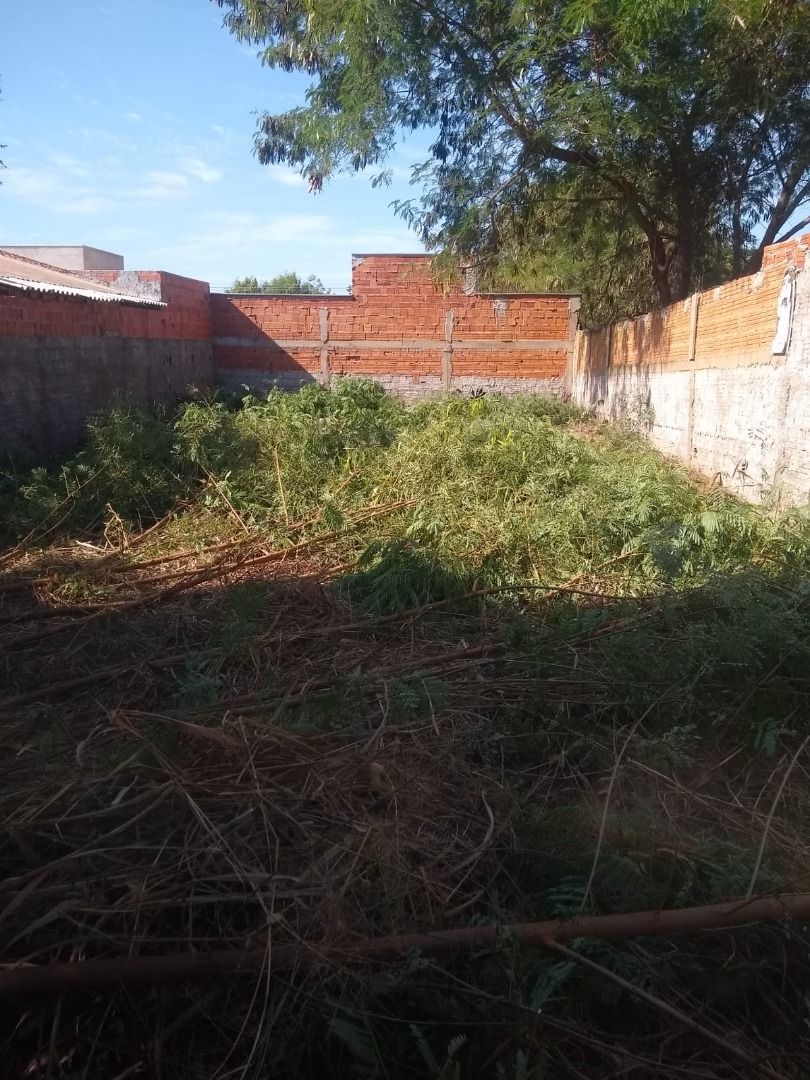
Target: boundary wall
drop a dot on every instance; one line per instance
(64, 357)
(720, 380)
(399, 327)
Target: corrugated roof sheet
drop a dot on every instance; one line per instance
(17, 272)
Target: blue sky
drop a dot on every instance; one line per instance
(128, 125)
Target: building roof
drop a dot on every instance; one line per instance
(25, 275)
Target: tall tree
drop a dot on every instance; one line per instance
(281, 283)
(677, 128)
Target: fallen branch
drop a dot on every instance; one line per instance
(771, 812)
(201, 575)
(9, 555)
(92, 975)
(430, 665)
(414, 613)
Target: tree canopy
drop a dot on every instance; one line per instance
(651, 146)
(281, 283)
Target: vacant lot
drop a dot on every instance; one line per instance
(284, 677)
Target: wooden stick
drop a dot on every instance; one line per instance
(771, 812)
(281, 486)
(423, 609)
(92, 975)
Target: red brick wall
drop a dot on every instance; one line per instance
(701, 380)
(735, 323)
(393, 328)
(64, 358)
(788, 253)
(187, 314)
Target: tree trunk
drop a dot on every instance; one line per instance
(736, 240)
(784, 206)
(754, 262)
(659, 260)
(659, 265)
(685, 267)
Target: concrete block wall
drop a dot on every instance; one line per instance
(64, 358)
(69, 256)
(701, 380)
(399, 327)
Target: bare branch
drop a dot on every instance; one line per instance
(90, 975)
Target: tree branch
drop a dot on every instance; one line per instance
(91, 975)
(793, 230)
(783, 206)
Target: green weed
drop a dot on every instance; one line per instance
(641, 703)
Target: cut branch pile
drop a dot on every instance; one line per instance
(217, 769)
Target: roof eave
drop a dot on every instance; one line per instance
(45, 288)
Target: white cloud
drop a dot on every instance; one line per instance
(154, 192)
(398, 240)
(282, 174)
(161, 185)
(28, 183)
(167, 179)
(100, 137)
(243, 239)
(71, 165)
(201, 170)
(225, 244)
(61, 187)
(135, 117)
(123, 234)
(47, 188)
(85, 205)
(289, 227)
(246, 229)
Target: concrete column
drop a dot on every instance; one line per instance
(693, 326)
(447, 353)
(574, 305)
(326, 371)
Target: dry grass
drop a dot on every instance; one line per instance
(217, 735)
(172, 780)
(216, 751)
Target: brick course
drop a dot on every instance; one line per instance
(393, 328)
(736, 411)
(735, 323)
(63, 358)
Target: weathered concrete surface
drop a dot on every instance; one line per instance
(70, 256)
(467, 384)
(50, 386)
(256, 382)
(409, 387)
(133, 282)
(745, 424)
